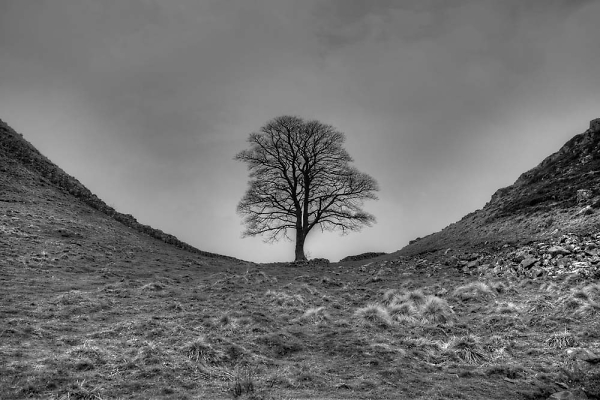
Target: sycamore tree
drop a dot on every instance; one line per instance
(301, 178)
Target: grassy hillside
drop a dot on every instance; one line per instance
(560, 195)
(93, 309)
(17, 151)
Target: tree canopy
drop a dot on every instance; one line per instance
(300, 178)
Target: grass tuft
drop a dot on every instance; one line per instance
(73, 297)
(474, 291)
(589, 309)
(89, 352)
(592, 291)
(414, 296)
(467, 349)
(283, 299)
(549, 287)
(436, 310)
(242, 383)
(403, 309)
(200, 350)
(562, 340)
(315, 315)
(389, 296)
(153, 287)
(374, 313)
(508, 308)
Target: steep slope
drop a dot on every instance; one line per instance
(560, 195)
(19, 158)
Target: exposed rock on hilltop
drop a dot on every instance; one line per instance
(363, 256)
(558, 196)
(26, 163)
(563, 180)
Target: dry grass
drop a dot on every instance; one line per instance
(436, 310)
(415, 297)
(403, 309)
(467, 349)
(315, 315)
(389, 296)
(146, 322)
(508, 308)
(562, 340)
(200, 350)
(374, 314)
(474, 291)
(410, 308)
(284, 299)
(90, 309)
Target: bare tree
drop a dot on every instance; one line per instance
(300, 178)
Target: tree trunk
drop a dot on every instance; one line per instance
(300, 236)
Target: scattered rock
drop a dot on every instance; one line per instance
(569, 395)
(586, 211)
(583, 196)
(473, 256)
(568, 254)
(452, 261)
(323, 262)
(528, 262)
(584, 355)
(554, 250)
(363, 256)
(537, 272)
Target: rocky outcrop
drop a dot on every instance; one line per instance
(14, 147)
(567, 255)
(363, 256)
(559, 181)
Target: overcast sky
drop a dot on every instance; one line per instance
(146, 102)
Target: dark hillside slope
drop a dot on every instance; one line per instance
(29, 165)
(560, 195)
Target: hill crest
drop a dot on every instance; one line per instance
(14, 148)
(560, 195)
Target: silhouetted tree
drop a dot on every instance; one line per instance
(300, 177)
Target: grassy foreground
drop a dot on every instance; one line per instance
(152, 322)
(90, 309)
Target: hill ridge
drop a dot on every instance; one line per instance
(559, 195)
(15, 147)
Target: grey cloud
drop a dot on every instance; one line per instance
(437, 98)
(343, 23)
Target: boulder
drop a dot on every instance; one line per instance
(554, 250)
(528, 262)
(537, 272)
